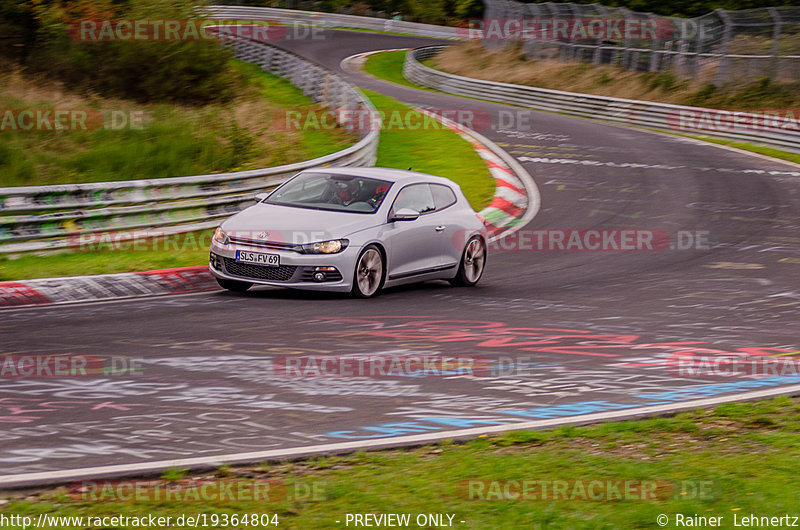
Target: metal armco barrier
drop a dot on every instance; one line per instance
(720, 46)
(625, 111)
(330, 20)
(50, 217)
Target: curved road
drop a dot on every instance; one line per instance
(558, 336)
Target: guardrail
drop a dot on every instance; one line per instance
(319, 19)
(625, 111)
(51, 217)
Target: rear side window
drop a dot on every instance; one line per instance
(443, 196)
(418, 197)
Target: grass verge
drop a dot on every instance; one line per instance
(388, 66)
(178, 250)
(397, 33)
(156, 140)
(435, 149)
(438, 151)
(736, 460)
(761, 149)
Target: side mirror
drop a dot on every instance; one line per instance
(261, 196)
(405, 214)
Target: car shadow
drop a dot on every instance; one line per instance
(279, 293)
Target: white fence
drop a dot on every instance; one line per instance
(330, 20)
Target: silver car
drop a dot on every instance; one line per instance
(352, 230)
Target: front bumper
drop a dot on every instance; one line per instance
(295, 271)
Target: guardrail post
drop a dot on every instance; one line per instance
(776, 35)
(722, 70)
(626, 14)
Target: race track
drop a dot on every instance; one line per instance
(571, 335)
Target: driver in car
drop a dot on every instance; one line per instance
(349, 193)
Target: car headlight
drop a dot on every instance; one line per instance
(326, 247)
(220, 236)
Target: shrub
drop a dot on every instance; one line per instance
(186, 71)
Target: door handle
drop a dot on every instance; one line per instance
(439, 228)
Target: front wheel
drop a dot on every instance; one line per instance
(473, 261)
(368, 277)
(233, 285)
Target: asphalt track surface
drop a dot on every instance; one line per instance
(570, 335)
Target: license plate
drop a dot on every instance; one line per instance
(258, 258)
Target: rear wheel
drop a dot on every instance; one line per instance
(368, 277)
(473, 261)
(233, 285)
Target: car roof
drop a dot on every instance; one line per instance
(400, 176)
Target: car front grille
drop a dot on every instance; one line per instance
(282, 273)
(274, 245)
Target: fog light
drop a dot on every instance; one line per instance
(318, 276)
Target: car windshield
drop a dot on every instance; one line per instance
(324, 191)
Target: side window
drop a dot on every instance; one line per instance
(442, 196)
(418, 197)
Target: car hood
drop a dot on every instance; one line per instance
(296, 225)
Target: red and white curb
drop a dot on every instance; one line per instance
(516, 198)
(355, 62)
(51, 291)
(516, 201)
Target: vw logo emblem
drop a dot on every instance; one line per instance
(263, 235)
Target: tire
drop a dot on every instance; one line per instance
(473, 263)
(368, 278)
(234, 285)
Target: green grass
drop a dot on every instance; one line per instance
(389, 67)
(171, 141)
(398, 33)
(761, 149)
(438, 151)
(720, 462)
(184, 250)
(434, 150)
